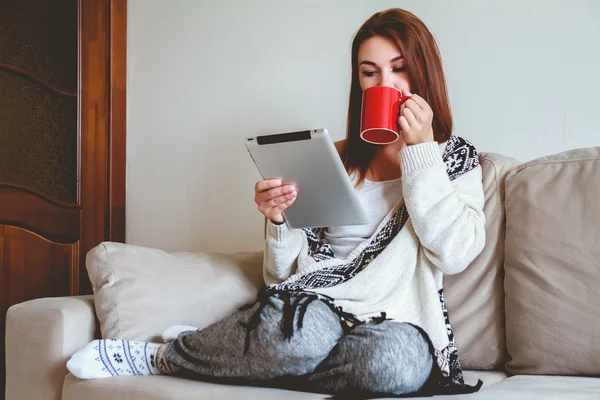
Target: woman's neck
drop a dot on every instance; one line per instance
(386, 163)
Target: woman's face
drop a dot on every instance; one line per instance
(380, 63)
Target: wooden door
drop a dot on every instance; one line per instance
(62, 143)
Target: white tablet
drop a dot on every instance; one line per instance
(309, 160)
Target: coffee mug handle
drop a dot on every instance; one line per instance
(399, 103)
(402, 100)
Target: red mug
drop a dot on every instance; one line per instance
(379, 115)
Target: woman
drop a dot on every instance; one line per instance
(356, 309)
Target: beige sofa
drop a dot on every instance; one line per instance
(525, 313)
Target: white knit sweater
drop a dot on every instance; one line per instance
(442, 233)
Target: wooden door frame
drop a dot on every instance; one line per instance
(102, 125)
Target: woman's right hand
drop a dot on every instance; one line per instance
(273, 198)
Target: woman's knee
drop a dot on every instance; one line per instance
(398, 359)
(301, 338)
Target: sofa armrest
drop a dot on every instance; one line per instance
(41, 335)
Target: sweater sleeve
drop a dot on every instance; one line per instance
(444, 198)
(282, 248)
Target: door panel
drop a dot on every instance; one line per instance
(36, 267)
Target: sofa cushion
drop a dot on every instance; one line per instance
(553, 264)
(140, 291)
(475, 297)
(523, 387)
(169, 388)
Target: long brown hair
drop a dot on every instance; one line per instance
(424, 67)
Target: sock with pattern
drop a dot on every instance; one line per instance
(109, 357)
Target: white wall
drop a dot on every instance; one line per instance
(524, 80)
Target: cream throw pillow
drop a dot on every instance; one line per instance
(139, 291)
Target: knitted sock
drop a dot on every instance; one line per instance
(108, 357)
(172, 333)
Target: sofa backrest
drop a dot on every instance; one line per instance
(552, 265)
(475, 297)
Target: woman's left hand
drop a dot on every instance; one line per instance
(415, 120)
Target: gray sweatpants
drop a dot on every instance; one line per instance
(309, 350)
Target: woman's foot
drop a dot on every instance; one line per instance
(109, 357)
